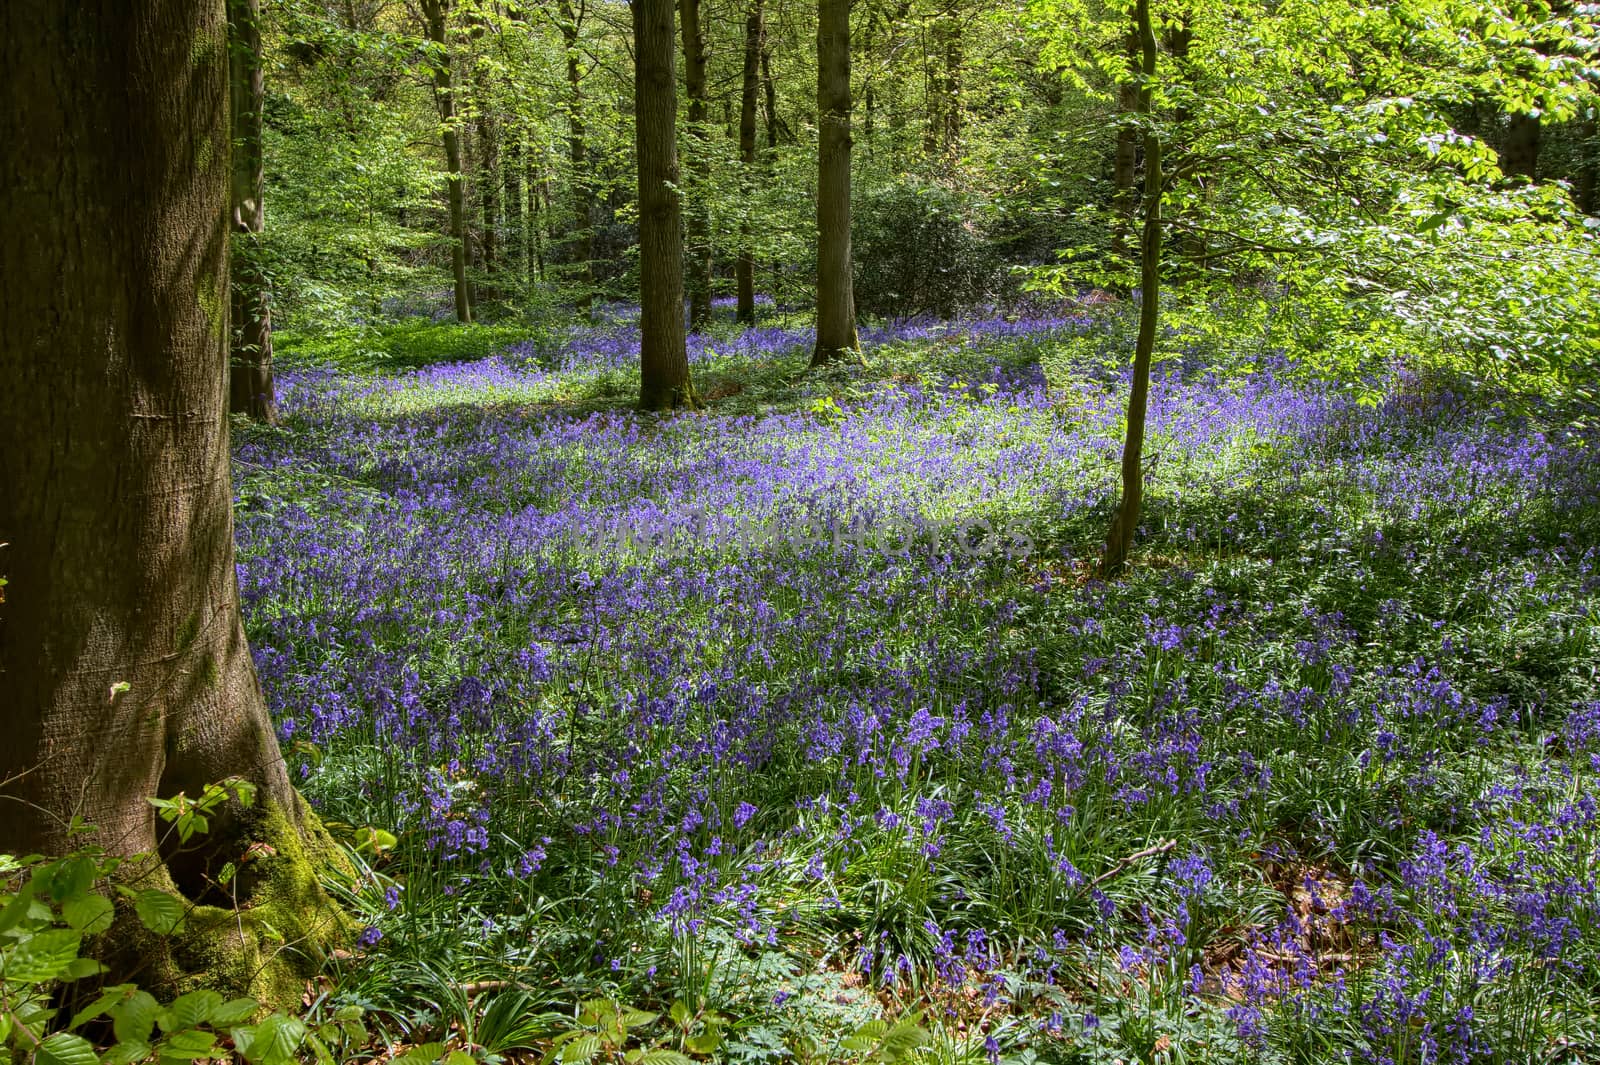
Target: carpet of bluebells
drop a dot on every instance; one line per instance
(807, 707)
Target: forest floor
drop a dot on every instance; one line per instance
(803, 714)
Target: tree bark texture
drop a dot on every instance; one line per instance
(750, 88)
(250, 390)
(699, 242)
(122, 655)
(664, 362)
(436, 15)
(836, 309)
(580, 246)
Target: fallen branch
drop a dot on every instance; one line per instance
(1149, 852)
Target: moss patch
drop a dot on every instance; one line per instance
(273, 942)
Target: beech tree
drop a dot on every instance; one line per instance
(663, 358)
(699, 235)
(836, 308)
(124, 663)
(435, 17)
(251, 389)
(749, 87)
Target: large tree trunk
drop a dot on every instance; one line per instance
(581, 244)
(434, 13)
(664, 361)
(250, 389)
(699, 245)
(836, 307)
(1119, 540)
(745, 270)
(122, 655)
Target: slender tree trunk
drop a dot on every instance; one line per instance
(1520, 154)
(125, 669)
(435, 13)
(745, 269)
(1583, 185)
(1124, 171)
(664, 361)
(950, 87)
(581, 242)
(487, 130)
(836, 308)
(770, 92)
(250, 389)
(1119, 540)
(699, 245)
(516, 227)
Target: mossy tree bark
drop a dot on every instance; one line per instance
(1119, 540)
(122, 654)
(664, 361)
(435, 14)
(250, 390)
(836, 306)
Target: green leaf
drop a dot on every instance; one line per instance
(90, 914)
(704, 1043)
(17, 908)
(64, 1048)
(191, 1044)
(108, 998)
(78, 968)
(581, 1049)
(421, 1054)
(460, 1057)
(135, 1019)
(69, 878)
(189, 1011)
(159, 911)
(126, 1054)
(664, 1057)
(235, 1011)
(42, 956)
(275, 1040)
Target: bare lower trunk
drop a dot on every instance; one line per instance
(836, 309)
(664, 363)
(745, 270)
(699, 243)
(1119, 540)
(250, 389)
(435, 13)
